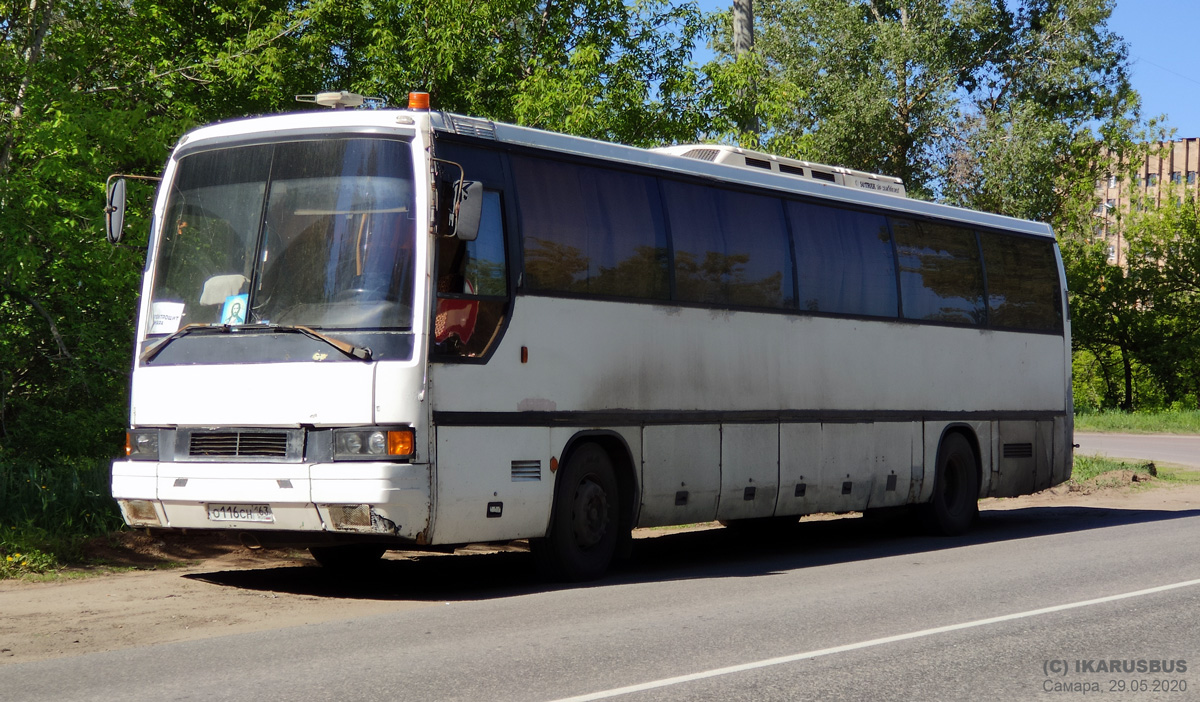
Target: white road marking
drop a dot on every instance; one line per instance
(807, 655)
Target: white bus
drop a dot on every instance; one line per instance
(364, 330)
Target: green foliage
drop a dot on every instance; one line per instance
(1050, 95)
(47, 510)
(1136, 325)
(598, 68)
(991, 105)
(1098, 381)
(92, 88)
(32, 560)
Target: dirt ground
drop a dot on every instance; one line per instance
(185, 588)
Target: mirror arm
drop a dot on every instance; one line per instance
(108, 181)
(110, 207)
(462, 177)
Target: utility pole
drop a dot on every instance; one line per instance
(743, 26)
(743, 42)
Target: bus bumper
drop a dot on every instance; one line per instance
(378, 499)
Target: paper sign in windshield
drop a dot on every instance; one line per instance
(165, 316)
(234, 311)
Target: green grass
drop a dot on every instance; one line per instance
(1179, 475)
(1090, 467)
(48, 510)
(1175, 422)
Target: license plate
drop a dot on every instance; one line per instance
(240, 513)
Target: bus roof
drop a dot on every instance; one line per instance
(328, 122)
(661, 159)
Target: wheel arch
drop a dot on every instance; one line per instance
(968, 433)
(624, 468)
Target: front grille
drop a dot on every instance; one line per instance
(245, 444)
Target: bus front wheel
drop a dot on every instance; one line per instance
(955, 502)
(586, 521)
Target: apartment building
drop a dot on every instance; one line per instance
(1167, 175)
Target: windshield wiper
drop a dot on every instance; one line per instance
(351, 351)
(360, 352)
(149, 354)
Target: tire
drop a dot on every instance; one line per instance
(347, 556)
(955, 502)
(585, 526)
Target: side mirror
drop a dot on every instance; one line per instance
(114, 210)
(468, 208)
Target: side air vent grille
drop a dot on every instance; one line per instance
(242, 444)
(758, 163)
(794, 170)
(1018, 450)
(828, 177)
(526, 471)
(470, 126)
(702, 154)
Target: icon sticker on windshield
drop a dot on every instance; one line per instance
(234, 311)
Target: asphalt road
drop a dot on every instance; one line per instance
(690, 604)
(839, 610)
(1166, 448)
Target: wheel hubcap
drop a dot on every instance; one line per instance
(591, 513)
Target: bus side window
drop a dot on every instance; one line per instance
(472, 287)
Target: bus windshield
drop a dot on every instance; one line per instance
(309, 233)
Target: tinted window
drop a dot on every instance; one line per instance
(730, 248)
(941, 279)
(843, 261)
(471, 286)
(1023, 286)
(478, 164)
(590, 230)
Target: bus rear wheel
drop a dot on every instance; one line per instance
(955, 502)
(586, 522)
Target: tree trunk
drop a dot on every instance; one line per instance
(1127, 404)
(33, 54)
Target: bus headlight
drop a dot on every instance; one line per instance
(141, 444)
(369, 443)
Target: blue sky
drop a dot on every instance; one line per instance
(1161, 35)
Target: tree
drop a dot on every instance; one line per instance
(1164, 252)
(968, 101)
(1049, 100)
(1107, 321)
(92, 88)
(875, 79)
